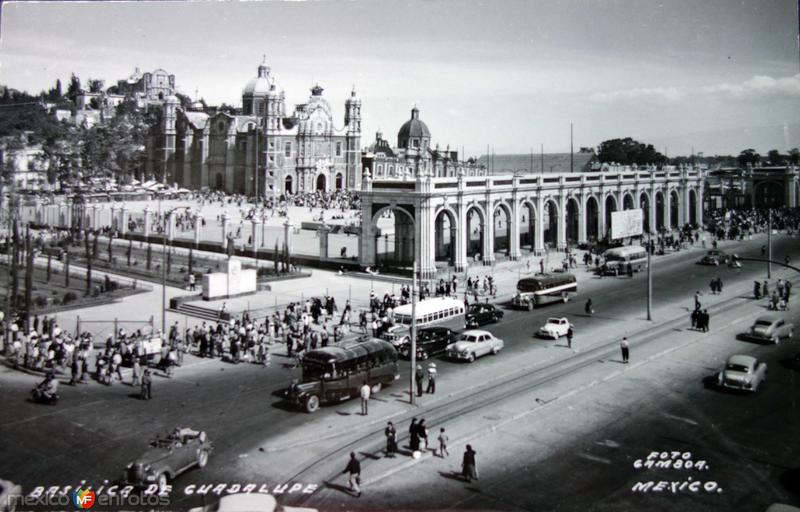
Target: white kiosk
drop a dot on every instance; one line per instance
(234, 281)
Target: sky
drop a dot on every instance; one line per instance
(713, 76)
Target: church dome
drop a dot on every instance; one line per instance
(259, 86)
(413, 129)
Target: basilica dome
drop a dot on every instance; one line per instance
(414, 131)
(259, 86)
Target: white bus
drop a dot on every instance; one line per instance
(439, 312)
(618, 258)
(543, 288)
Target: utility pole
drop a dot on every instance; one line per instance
(258, 129)
(541, 156)
(571, 150)
(413, 333)
(769, 243)
(649, 278)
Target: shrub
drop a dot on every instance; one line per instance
(69, 297)
(182, 270)
(40, 301)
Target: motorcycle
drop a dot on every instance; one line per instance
(39, 396)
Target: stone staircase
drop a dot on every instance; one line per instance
(198, 312)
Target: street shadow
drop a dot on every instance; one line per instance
(336, 487)
(370, 456)
(791, 363)
(790, 479)
(343, 413)
(137, 396)
(452, 475)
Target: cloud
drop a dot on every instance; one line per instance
(758, 87)
(660, 94)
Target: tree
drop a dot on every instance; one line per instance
(774, 157)
(794, 156)
(276, 253)
(629, 152)
(28, 278)
(74, 88)
(748, 157)
(95, 85)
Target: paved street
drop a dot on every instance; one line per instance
(257, 439)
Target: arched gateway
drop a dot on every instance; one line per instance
(464, 219)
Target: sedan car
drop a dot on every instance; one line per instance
(168, 457)
(474, 344)
(742, 372)
(430, 342)
(554, 328)
(482, 314)
(713, 257)
(772, 327)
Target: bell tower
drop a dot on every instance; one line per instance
(352, 120)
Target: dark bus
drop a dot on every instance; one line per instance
(533, 291)
(336, 374)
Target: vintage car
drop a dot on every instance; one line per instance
(742, 372)
(473, 344)
(554, 328)
(397, 335)
(249, 502)
(482, 314)
(713, 257)
(772, 328)
(430, 342)
(9, 493)
(168, 457)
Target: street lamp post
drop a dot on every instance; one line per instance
(167, 215)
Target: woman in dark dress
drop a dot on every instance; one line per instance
(413, 431)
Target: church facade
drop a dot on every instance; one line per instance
(262, 148)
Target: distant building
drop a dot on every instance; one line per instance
(148, 87)
(752, 187)
(26, 165)
(299, 152)
(413, 155)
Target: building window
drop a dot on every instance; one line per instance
(338, 149)
(415, 143)
(380, 170)
(287, 149)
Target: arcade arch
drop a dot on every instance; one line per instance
(321, 183)
(674, 209)
(445, 236)
(611, 207)
(527, 226)
(660, 206)
(644, 204)
(692, 207)
(550, 222)
(592, 218)
(502, 229)
(572, 220)
(474, 231)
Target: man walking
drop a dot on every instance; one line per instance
(354, 469)
(365, 399)
(469, 469)
(569, 337)
(431, 379)
(624, 347)
(147, 382)
(391, 440)
(419, 376)
(443, 439)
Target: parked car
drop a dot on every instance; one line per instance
(713, 257)
(554, 328)
(168, 457)
(482, 314)
(473, 344)
(770, 327)
(430, 342)
(249, 502)
(742, 372)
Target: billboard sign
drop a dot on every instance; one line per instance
(626, 223)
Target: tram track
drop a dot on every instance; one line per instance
(499, 391)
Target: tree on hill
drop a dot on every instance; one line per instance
(748, 157)
(774, 157)
(629, 152)
(794, 156)
(74, 88)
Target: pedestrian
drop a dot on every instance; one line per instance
(419, 377)
(706, 319)
(589, 309)
(694, 317)
(191, 282)
(625, 348)
(365, 398)
(443, 439)
(431, 379)
(756, 289)
(765, 289)
(713, 286)
(719, 284)
(422, 431)
(541, 266)
(391, 440)
(469, 469)
(697, 299)
(147, 383)
(629, 268)
(569, 337)
(413, 434)
(137, 370)
(354, 469)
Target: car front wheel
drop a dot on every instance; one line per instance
(202, 458)
(471, 358)
(162, 482)
(312, 404)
